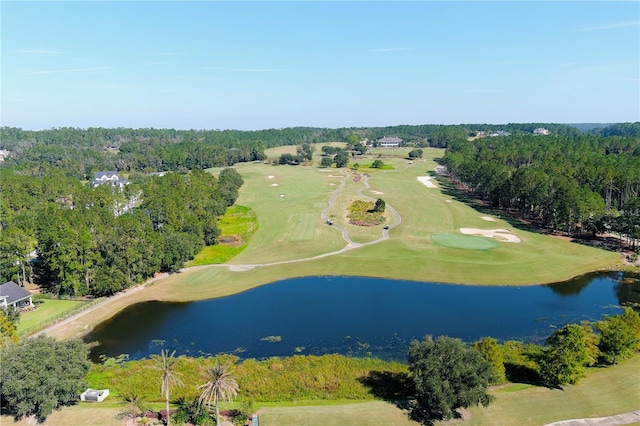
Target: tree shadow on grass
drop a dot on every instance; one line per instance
(450, 189)
(396, 389)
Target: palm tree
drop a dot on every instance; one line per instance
(166, 363)
(220, 385)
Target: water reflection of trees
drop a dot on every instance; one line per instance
(628, 291)
(572, 287)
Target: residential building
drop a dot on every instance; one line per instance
(12, 295)
(108, 178)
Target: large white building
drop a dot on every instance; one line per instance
(389, 142)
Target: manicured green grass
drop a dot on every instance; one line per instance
(463, 242)
(238, 223)
(370, 413)
(604, 392)
(48, 311)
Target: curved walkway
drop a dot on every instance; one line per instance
(619, 419)
(345, 233)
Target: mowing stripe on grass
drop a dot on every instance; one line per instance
(304, 226)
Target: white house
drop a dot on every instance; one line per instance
(389, 142)
(11, 294)
(540, 131)
(108, 178)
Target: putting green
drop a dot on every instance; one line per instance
(466, 242)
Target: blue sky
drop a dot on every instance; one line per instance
(257, 65)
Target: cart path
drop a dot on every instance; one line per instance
(619, 419)
(111, 299)
(345, 233)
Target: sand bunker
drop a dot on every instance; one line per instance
(489, 218)
(448, 201)
(500, 234)
(274, 184)
(426, 180)
(332, 184)
(377, 192)
(270, 177)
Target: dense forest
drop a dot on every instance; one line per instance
(81, 152)
(578, 184)
(100, 240)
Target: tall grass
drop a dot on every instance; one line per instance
(327, 377)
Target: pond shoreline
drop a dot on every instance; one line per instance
(77, 325)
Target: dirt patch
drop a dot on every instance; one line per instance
(488, 218)
(230, 240)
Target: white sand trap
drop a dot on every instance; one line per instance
(274, 184)
(448, 201)
(332, 184)
(499, 234)
(426, 180)
(270, 177)
(324, 170)
(489, 218)
(377, 192)
(281, 195)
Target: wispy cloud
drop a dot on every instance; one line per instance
(390, 49)
(72, 71)
(39, 52)
(612, 26)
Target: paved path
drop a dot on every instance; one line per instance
(620, 419)
(345, 233)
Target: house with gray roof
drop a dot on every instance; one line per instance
(11, 294)
(108, 178)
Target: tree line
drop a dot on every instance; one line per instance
(81, 152)
(578, 184)
(97, 241)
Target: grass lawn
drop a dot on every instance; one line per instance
(48, 310)
(370, 413)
